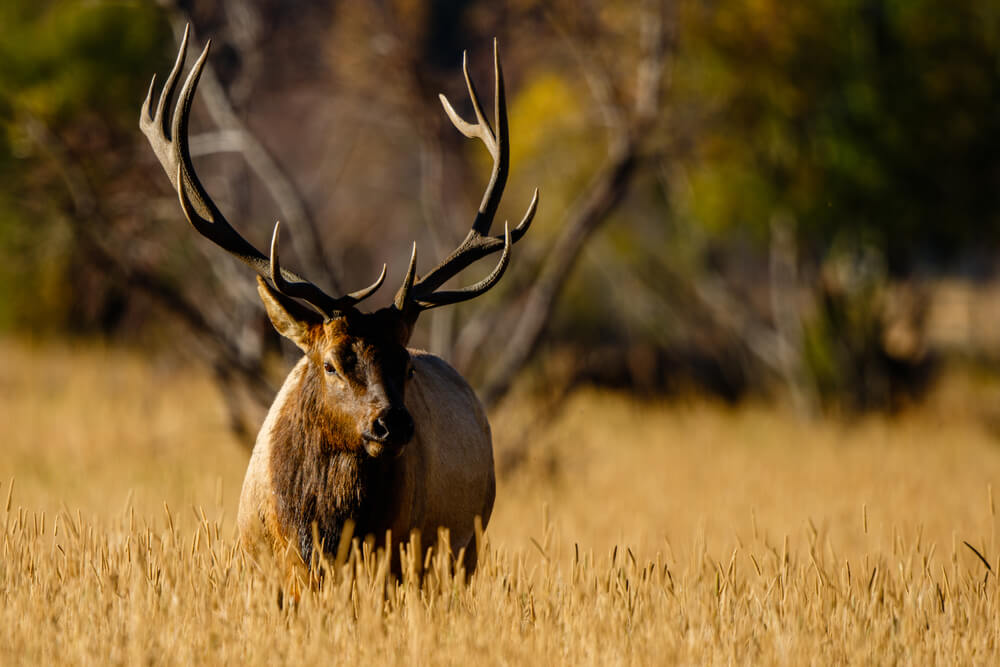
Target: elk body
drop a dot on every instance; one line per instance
(363, 428)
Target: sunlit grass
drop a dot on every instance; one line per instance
(634, 532)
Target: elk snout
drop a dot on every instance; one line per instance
(391, 427)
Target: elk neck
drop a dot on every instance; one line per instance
(320, 471)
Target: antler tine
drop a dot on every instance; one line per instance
(156, 125)
(529, 215)
(306, 290)
(362, 294)
(497, 144)
(481, 129)
(477, 244)
(403, 295)
(168, 136)
(445, 297)
(297, 289)
(171, 83)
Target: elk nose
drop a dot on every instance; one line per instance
(393, 425)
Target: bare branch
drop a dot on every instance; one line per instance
(627, 141)
(291, 204)
(168, 136)
(423, 293)
(603, 194)
(785, 312)
(87, 221)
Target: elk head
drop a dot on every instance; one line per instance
(359, 367)
(358, 361)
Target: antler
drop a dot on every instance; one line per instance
(421, 294)
(168, 136)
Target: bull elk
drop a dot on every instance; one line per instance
(363, 428)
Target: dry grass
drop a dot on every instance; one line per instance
(635, 533)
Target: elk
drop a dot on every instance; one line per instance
(363, 428)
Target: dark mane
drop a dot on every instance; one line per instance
(320, 471)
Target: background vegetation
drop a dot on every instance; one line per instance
(737, 197)
(742, 372)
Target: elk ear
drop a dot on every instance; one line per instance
(295, 329)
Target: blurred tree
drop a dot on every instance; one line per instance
(868, 127)
(871, 118)
(69, 75)
(702, 164)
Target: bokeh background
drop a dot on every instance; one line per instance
(752, 336)
(738, 198)
(794, 205)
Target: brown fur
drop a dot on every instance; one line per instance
(321, 473)
(315, 463)
(430, 468)
(443, 478)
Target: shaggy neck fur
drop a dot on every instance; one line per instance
(321, 472)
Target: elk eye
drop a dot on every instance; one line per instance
(328, 367)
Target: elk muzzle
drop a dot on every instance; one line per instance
(391, 429)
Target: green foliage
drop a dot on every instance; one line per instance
(843, 340)
(864, 116)
(63, 57)
(869, 120)
(847, 348)
(74, 72)
(549, 136)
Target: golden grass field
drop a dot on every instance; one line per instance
(634, 533)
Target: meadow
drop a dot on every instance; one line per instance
(633, 532)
